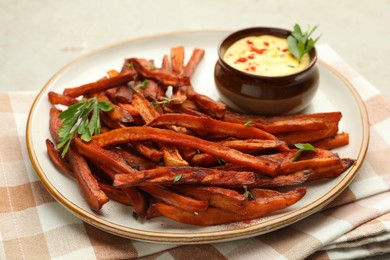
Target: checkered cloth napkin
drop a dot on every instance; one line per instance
(357, 224)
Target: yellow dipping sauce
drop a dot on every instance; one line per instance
(264, 55)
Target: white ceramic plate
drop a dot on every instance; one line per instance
(335, 94)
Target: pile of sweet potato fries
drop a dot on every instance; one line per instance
(166, 150)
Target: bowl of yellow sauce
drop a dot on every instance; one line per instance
(257, 74)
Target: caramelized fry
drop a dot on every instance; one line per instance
(149, 151)
(121, 94)
(135, 161)
(94, 196)
(114, 193)
(137, 199)
(210, 125)
(58, 99)
(55, 123)
(291, 179)
(226, 199)
(176, 200)
(165, 65)
(131, 134)
(309, 136)
(196, 57)
(177, 60)
(116, 114)
(164, 77)
(282, 124)
(57, 160)
(332, 171)
(207, 105)
(253, 209)
(339, 140)
(185, 175)
(100, 85)
(95, 153)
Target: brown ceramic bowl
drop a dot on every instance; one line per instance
(264, 95)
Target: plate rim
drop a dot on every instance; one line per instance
(208, 236)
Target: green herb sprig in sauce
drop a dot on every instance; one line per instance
(300, 43)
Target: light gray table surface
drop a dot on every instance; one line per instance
(39, 37)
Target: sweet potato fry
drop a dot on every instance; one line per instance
(130, 108)
(172, 156)
(161, 76)
(282, 124)
(210, 125)
(152, 212)
(309, 136)
(307, 161)
(179, 94)
(135, 161)
(165, 65)
(94, 196)
(137, 199)
(55, 157)
(206, 105)
(114, 193)
(148, 150)
(120, 94)
(136, 133)
(278, 181)
(58, 99)
(184, 175)
(177, 60)
(54, 124)
(175, 199)
(204, 160)
(252, 146)
(331, 171)
(218, 197)
(339, 140)
(100, 85)
(187, 107)
(196, 57)
(95, 153)
(116, 114)
(314, 160)
(146, 111)
(254, 209)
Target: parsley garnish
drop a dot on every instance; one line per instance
(300, 43)
(164, 101)
(221, 161)
(130, 65)
(142, 85)
(177, 177)
(302, 147)
(249, 123)
(248, 194)
(76, 119)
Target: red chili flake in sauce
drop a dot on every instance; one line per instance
(252, 68)
(266, 43)
(249, 42)
(242, 59)
(284, 50)
(251, 56)
(259, 51)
